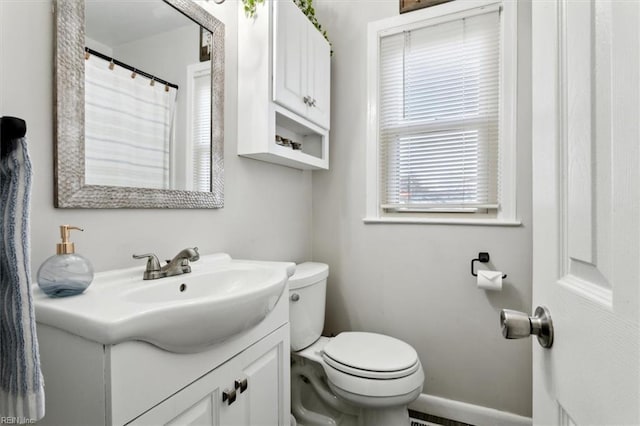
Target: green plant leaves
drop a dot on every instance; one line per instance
(306, 6)
(250, 7)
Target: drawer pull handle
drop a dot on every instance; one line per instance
(229, 395)
(241, 384)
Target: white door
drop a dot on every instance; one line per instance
(586, 229)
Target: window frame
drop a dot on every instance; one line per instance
(194, 71)
(506, 213)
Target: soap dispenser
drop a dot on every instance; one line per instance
(67, 273)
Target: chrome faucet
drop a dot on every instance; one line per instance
(176, 266)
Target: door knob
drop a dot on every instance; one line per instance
(516, 325)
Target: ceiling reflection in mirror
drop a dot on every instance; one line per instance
(147, 97)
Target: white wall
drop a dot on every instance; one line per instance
(413, 281)
(267, 207)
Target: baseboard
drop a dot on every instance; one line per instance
(467, 413)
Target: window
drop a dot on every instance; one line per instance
(201, 136)
(198, 150)
(439, 145)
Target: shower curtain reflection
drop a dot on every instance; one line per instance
(129, 127)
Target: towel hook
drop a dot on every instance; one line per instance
(483, 257)
(11, 128)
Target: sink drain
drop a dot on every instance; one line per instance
(183, 287)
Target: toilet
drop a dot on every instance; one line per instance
(360, 378)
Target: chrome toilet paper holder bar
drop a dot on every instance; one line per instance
(483, 257)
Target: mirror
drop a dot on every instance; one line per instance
(139, 105)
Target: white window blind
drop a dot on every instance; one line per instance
(201, 122)
(439, 91)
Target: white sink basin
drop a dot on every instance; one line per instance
(187, 313)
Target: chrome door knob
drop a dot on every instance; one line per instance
(516, 325)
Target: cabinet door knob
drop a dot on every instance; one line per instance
(229, 395)
(307, 100)
(241, 384)
(312, 103)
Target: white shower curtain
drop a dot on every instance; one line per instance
(128, 128)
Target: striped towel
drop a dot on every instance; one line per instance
(21, 383)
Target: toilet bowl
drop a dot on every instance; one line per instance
(369, 376)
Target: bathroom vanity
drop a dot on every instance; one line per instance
(94, 375)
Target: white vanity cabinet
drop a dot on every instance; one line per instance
(249, 389)
(136, 383)
(284, 67)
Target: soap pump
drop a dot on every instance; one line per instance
(67, 273)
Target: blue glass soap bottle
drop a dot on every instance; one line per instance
(67, 273)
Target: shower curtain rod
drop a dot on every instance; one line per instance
(129, 67)
(11, 128)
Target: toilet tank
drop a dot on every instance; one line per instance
(307, 295)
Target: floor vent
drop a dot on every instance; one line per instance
(422, 419)
(418, 422)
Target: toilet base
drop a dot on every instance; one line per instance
(384, 416)
(314, 402)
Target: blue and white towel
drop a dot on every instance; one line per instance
(21, 383)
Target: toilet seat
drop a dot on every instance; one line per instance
(368, 374)
(371, 355)
(363, 387)
(371, 365)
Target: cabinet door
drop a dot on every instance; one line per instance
(265, 367)
(318, 77)
(290, 44)
(264, 401)
(198, 404)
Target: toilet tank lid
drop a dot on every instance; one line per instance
(308, 273)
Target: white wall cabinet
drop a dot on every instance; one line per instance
(136, 383)
(302, 65)
(283, 86)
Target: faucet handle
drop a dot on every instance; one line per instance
(153, 264)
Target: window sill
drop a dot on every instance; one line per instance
(440, 221)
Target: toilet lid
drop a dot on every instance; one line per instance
(371, 352)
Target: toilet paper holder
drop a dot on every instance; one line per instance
(483, 257)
